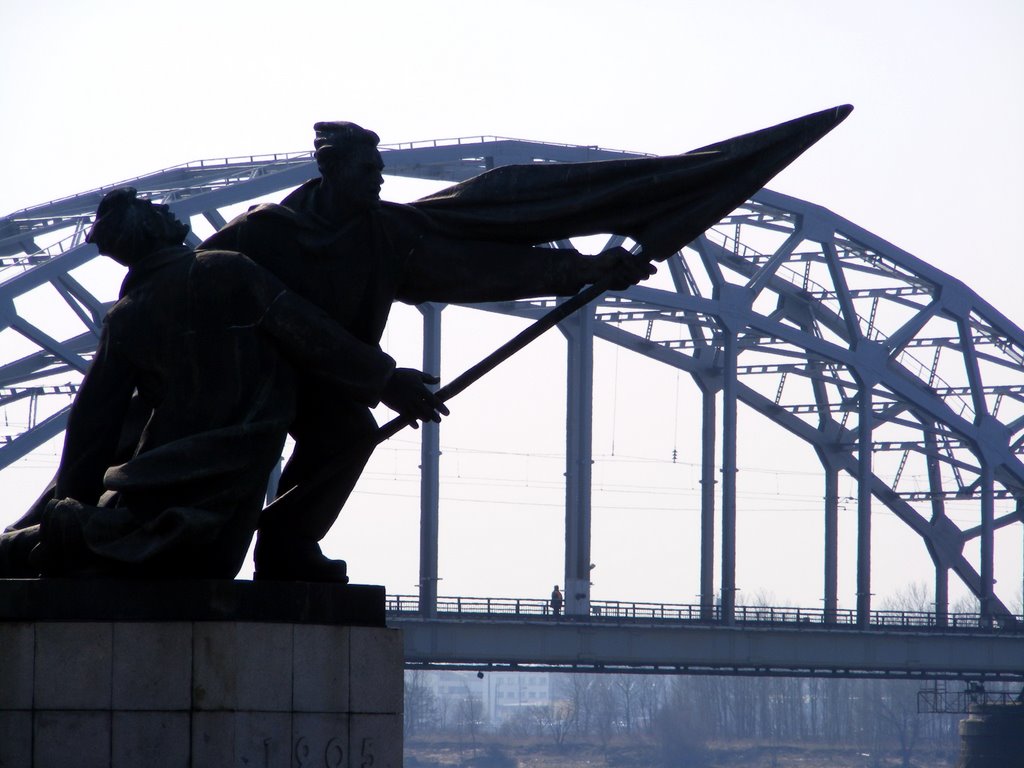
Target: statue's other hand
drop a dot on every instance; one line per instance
(624, 268)
(406, 392)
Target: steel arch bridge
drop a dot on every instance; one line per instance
(886, 366)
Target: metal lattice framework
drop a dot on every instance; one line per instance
(887, 367)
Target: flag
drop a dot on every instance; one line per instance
(661, 202)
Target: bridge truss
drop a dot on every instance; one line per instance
(885, 366)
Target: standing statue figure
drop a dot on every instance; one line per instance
(334, 242)
(213, 345)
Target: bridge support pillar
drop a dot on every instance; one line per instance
(430, 466)
(941, 595)
(729, 412)
(987, 543)
(707, 504)
(831, 544)
(938, 513)
(579, 333)
(864, 478)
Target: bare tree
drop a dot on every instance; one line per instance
(650, 699)
(577, 691)
(897, 710)
(525, 722)
(606, 710)
(678, 734)
(627, 688)
(560, 721)
(469, 714)
(420, 702)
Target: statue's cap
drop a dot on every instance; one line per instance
(111, 210)
(331, 133)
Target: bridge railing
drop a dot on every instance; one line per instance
(620, 610)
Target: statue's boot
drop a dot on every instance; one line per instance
(16, 547)
(289, 559)
(62, 550)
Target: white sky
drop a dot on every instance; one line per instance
(931, 160)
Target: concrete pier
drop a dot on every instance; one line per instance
(992, 736)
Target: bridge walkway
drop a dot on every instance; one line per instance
(653, 638)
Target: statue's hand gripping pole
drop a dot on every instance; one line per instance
(548, 321)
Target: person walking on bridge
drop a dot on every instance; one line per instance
(556, 602)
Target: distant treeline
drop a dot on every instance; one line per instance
(685, 713)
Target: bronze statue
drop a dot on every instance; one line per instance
(228, 355)
(212, 344)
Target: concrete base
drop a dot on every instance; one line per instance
(260, 694)
(992, 736)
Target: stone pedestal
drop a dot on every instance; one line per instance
(255, 676)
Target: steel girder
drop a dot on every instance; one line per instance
(846, 341)
(870, 355)
(470, 642)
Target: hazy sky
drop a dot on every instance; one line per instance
(930, 160)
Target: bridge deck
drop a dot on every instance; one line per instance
(772, 641)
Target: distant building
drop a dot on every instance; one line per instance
(499, 695)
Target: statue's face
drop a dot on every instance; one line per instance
(357, 177)
(170, 229)
(145, 227)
